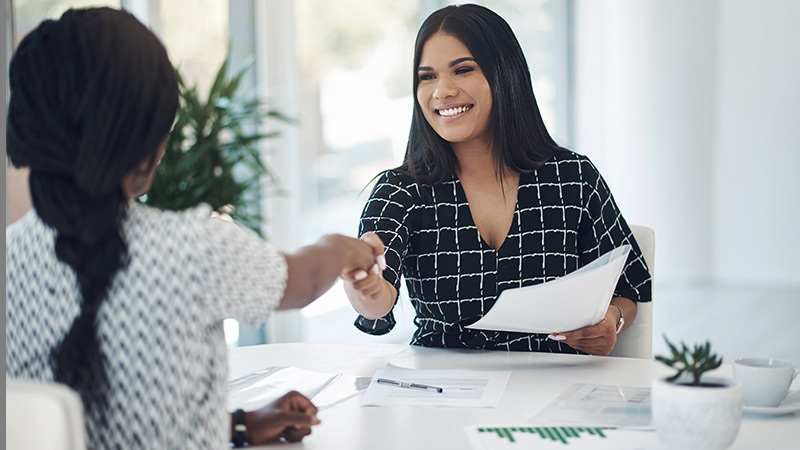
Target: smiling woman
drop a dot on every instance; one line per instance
(453, 93)
(485, 200)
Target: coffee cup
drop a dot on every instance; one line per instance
(765, 381)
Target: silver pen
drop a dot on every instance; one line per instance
(408, 385)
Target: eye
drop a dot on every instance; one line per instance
(463, 70)
(426, 76)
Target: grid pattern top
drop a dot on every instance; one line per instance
(160, 328)
(565, 217)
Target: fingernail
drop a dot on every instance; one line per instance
(382, 261)
(556, 337)
(360, 275)
(376, 269)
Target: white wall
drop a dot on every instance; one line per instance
(757, 152)
(690, 110)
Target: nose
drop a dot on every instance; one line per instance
(444, 89)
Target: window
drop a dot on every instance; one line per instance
(350, 78)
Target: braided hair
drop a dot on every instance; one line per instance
(93, 95)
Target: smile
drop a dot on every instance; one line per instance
(450, 112)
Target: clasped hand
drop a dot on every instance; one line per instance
(290, 417)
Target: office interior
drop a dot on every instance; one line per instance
(689, 108)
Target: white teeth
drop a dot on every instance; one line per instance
(453, 111)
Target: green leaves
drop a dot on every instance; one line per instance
(696, 362)
(211, 154)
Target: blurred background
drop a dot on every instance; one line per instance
(690, 109)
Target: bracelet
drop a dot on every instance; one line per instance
(621, 319)
(239, 429)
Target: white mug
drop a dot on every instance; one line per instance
(765, 381)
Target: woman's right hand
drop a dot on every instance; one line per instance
(360, 263)
(369, 293)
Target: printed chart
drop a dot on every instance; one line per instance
(523, 437)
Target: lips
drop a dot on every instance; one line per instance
(452, 111)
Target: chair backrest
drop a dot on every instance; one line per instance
(43, 416)
(637, 340)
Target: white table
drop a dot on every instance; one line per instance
(536, 380)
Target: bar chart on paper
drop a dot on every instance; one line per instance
(524, 437)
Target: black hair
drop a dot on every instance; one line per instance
(93, 94)
(519, 138)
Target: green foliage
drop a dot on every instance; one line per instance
(696, 362)
(211, 155)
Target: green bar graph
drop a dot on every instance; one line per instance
(555, 434)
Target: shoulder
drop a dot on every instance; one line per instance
(28, 235)
(139, 214)
(22, 226)
(145, 226)
(569, 166)
(397, 178)
(397, 185)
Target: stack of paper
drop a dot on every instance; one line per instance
(261, 387)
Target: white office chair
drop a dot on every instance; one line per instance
(637, 340)
(43, 416)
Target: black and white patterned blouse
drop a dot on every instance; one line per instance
(565, 217)
(160, 327)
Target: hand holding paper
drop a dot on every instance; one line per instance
(576, 300)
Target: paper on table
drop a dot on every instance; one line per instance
(600, 405)
(500, 437)
(261, 387)
(576, 300)
(460, 388)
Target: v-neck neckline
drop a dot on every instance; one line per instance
(461, 192)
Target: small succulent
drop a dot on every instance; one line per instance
(696, 362)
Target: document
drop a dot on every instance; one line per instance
(264, 386)
(576, 300)
(509, 437)
(600, 405)
(459, 388)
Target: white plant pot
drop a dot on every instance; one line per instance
(697, 417)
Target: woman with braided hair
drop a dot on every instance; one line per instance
(122, 302)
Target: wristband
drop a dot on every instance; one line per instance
(621, 319)
(239, 429)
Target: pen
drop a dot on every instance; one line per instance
(406, 384)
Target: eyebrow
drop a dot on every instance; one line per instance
(452, 63)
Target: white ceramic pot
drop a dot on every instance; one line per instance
(697, 417)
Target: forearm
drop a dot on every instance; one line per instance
(313, 269)
(376, 302)
(628, 309)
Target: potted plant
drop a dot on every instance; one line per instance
(693, 411)
(211, 155)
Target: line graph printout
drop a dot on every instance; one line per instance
(520, 437)
(598, 405)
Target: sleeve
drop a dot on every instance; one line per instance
(603, 228)
(245, 276)
(387, 213)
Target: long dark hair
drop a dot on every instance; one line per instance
(519, 138)
(93, 94)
